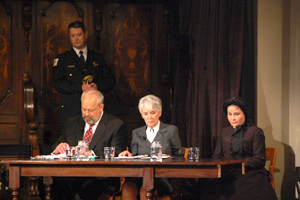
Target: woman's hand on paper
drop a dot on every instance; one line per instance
(125, 153)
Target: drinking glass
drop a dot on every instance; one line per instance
(155, 151)
(81, 148)
(112, 152)
(106, 153)
(85, 152)
(70, 152)
(191, 153)
(197, 153)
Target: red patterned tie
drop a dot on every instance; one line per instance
(88, 135)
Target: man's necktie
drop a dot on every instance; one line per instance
(81, 57)
(88, 135)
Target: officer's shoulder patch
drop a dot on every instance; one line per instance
(55, 62)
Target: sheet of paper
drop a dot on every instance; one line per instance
(52, 157)
(49, 157)
(133, 157)
(138, 157)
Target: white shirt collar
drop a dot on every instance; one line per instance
(151, 135)
(84, 52)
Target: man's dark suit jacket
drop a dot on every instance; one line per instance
(167, 134)
(68, 73)
(110, 132)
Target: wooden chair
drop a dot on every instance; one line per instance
(117, 196)
(271, 154)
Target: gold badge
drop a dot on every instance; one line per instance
(95, 64)
(55, 62)
(87, 79)
(71, 66)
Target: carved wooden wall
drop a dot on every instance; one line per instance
(135, 37)
(10, 100)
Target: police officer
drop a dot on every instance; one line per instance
(77, 70)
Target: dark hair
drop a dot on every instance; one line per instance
(77, 24)
(241, 103)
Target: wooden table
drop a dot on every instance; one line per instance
(171, 167)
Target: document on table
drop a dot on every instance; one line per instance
(49, 157)
(132, 157)
(53, 157)
(138, 157)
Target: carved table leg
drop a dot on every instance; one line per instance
(34, 187)
(149, 194)
(48, 181)
(14, 182)
(15, 193)
(148, 182)
(3, 179)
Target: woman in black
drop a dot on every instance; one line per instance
(242, 139)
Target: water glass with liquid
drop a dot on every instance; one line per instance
(155, 151)
(70, 152)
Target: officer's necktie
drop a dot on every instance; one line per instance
(81, 57)
(88, 135)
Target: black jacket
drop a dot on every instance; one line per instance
(68, 73)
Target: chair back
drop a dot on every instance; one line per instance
(271, 154)
(185, 152)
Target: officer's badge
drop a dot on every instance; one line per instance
(55, 62)
(87, 79)
(95, 64)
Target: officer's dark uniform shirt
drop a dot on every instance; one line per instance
(68, 74)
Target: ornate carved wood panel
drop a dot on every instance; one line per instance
(9, 118)
(131, 44)
(5, 55)
(127, 37)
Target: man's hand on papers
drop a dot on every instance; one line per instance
(61, 148)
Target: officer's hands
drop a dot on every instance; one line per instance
(85, 87)
(94, 86)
